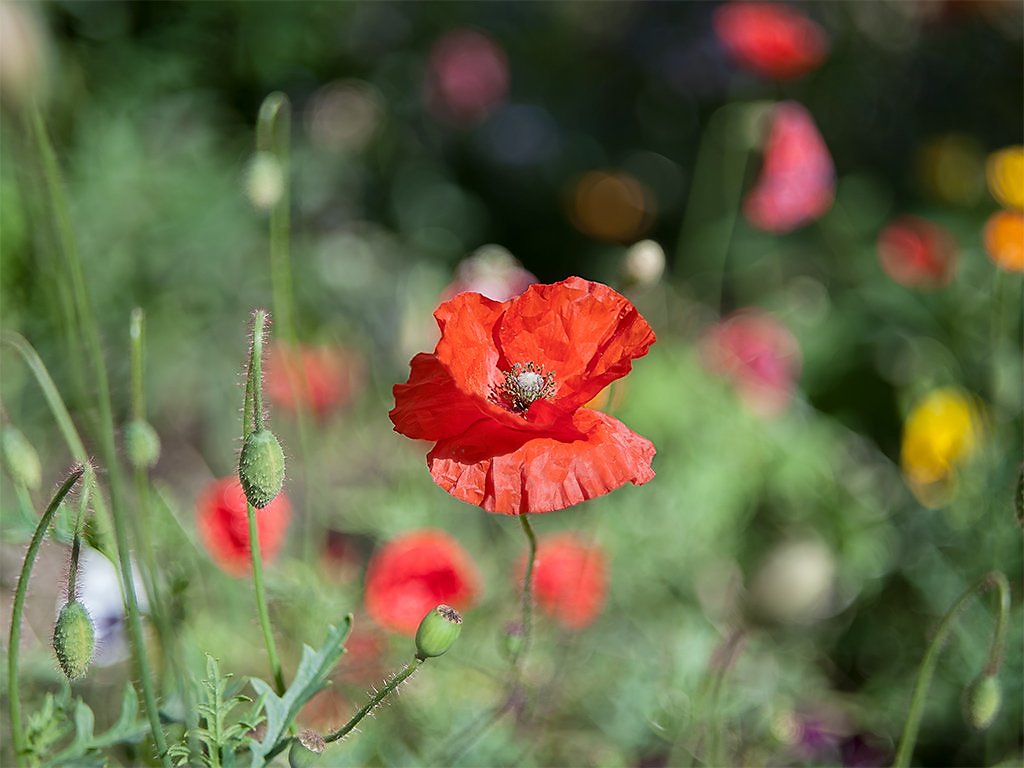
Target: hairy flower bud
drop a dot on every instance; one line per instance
(306, 749)
(982, 700)
(141, 444)
(261, 468)
(21, 458)
(438, 632)
(74, 639)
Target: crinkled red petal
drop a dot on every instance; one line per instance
(484, 465)
(585, 332)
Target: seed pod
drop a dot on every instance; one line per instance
(141, 444)
(982, 701)
(74, 639)
(306, 749)
(438, 632)
(261, 468)
(21, 458)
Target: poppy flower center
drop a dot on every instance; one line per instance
(525, 383)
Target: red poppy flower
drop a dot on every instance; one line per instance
(569, 580)
(798, 179)
(758, 354)
(224, 525)
(414, 573)
(319, 378)
(502, 397)
(917, 253)
(770, 39)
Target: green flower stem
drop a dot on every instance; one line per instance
(66, 426)
(14, 640)
(273, 136)
(993, 580)
(720, 166)
(94, 352)
(391, 685)
(531, 539)
(252, 419)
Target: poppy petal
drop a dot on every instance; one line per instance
(542, 474)
(585, 332)
(429, 406)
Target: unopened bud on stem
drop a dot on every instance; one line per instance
(261, 468)
(74, 639)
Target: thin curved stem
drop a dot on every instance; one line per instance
(272, 135)
(261, 601)
(391, 685)
(94, 352)
(527, 608)
(992, 580)
(14, 639)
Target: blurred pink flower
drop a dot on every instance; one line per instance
(770, 39)
(797, 181)
(492, 272)
(468, 76)
(917, 253)
(758, 354)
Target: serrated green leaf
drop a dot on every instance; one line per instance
(310, 678)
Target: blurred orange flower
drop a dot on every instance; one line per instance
(569, 580)
(770, 39)
(941, 433)
(1004, 240)
(502, 396)
(223, 522)
(318, 378)
(798, 179)
(917, 253)
(758, 354)
(413, 574)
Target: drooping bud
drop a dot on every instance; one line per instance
(74, 639)
(141, 444)
(21, 458)
(306, 749)
(261, 468)
(982, 701)
(438, 632)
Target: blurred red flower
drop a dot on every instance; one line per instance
(414, 573)
(758, 355)
(502, 397)
(569, 579)
(917, 253)
(324, 378)
(224, 525)
(468, 76)
(798, 179)
(770, 39)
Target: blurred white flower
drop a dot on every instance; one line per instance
(644, 263)
(795, 582)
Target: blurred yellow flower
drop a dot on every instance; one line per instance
(1004, 240)
(1005, 173)
(940, 435)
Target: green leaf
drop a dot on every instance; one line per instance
(85, 747)
(310, 678)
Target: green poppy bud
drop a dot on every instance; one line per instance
(141, 443)
(982, 701)
(306, 749)
(438, 632)
(261, 468)
(74, 639)
(512, 639)
(21, 458)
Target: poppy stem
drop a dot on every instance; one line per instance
(993, 580)
(378, 697)
(14, 639)
(527, 592)
(252, 420)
